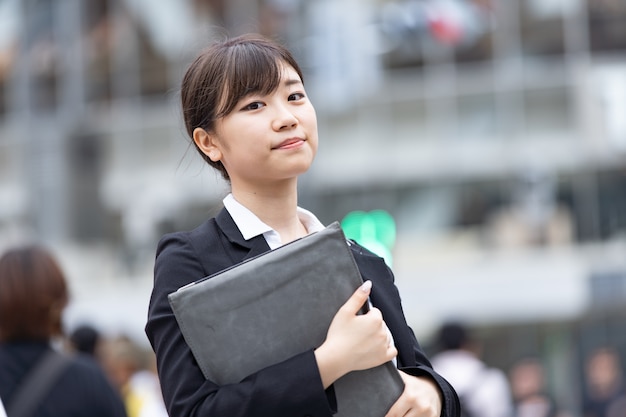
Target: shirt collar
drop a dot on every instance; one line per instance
(251, 226)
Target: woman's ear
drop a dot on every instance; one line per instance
(207, 143)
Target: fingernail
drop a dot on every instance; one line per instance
(367, 285)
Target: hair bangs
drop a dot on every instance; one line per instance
(250, 70)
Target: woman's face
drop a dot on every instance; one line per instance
(268, 138)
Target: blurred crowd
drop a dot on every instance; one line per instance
(130, 367)
(523, 389)
(105, 370)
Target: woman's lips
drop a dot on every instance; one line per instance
(290, 143)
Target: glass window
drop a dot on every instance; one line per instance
(612, 201)
(5, 159)
(153, 67)
(408, 119)
(477, 203)
(548, 112)
(4, 74)
(542, 27)
(98, 38)
(607, 25)
(476, 116)
(123, 58)
(341, 126)
(43, 55)
(8, 44)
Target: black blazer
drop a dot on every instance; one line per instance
(291, 388)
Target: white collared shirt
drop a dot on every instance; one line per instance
(250, 225)
(3, 413)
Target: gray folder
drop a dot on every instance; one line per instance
(274, 306)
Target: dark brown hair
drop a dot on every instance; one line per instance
(226, 72)
(33, 294)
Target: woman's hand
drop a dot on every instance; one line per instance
(354, 342)
(421, 398)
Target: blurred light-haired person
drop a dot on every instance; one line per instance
(484, 391)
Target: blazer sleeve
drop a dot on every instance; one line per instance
(386, 297)
(289, 388)
(450, 405)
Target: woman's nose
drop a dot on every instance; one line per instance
(284, 118)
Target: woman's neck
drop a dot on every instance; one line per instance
(276, 207)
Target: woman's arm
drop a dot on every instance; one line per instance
(412, 360)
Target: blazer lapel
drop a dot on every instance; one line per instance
(245, 249)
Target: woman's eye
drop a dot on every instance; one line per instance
(295, 96)
(254, 106)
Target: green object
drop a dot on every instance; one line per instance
(375, 230)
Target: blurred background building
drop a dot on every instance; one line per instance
(492, 131)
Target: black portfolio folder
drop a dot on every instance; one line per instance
(277, 305)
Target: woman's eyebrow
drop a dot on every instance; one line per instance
(291, 81)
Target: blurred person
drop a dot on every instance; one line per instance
(483, 391)
(249, 116)
(85, 339)
(33, 295)
(605, 394)
(528, 385)
(129, 367)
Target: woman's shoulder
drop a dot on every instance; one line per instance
(186, 241)
(186, 256)
(360, 250)
(368, 260)
(204, 229)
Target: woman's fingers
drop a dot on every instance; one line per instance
(357, 300)
(354, 341)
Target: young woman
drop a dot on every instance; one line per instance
(247, 112)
